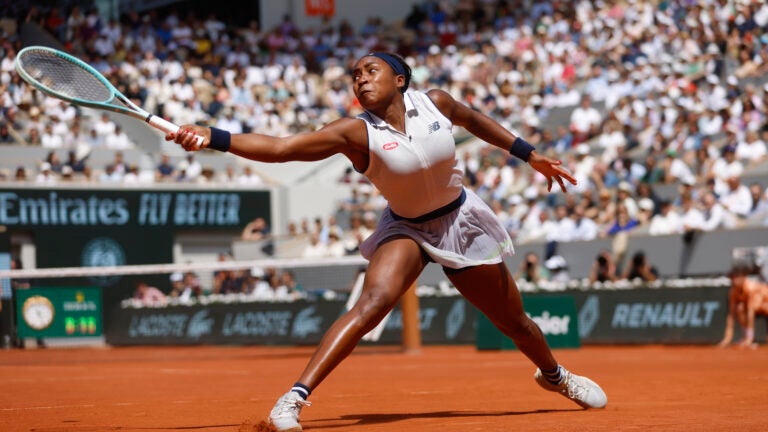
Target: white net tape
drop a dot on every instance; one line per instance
(63, 272)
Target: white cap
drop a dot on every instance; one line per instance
(582, 149)
(176, 277)
(257, 272)
(734, 171)
(530, 193)
(555, 262)
(45, 166)
(645, 204)
(625, 186)
(515, 199)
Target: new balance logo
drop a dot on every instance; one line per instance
(434, 127)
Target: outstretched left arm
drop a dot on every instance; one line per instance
(490, 131)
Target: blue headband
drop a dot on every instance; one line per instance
(396, 66)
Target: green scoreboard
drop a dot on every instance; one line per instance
(59, 312)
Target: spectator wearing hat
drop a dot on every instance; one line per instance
(558, 269)
(179, 290)
(645, 211)
(45, 175)
(625, 197)
(258, 284)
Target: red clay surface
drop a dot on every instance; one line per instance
(650, 388)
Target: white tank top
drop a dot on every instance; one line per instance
(416, 171)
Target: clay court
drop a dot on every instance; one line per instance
(457, 388)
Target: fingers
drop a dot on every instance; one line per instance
(187, 139)
(562, 185)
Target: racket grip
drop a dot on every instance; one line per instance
(167, 127)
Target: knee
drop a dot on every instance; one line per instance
(372, 307)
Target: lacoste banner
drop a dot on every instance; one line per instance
(443, 320)
(555, 316)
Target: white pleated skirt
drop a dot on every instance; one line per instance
(468, 236)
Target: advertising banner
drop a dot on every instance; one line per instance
(443, 320)
(555, 315)
(326, 8)
(118, 209)
(636, 316)
(645, 315)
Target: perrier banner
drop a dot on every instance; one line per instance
(555, 315)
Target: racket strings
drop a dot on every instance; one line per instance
(64, 77)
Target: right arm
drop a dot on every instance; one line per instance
(347, 136)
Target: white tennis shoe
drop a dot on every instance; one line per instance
(579, 389)
(285, 415)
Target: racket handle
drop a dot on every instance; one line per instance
(167, 127)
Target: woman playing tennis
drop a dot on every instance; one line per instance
(403, 144)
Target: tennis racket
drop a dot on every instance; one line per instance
(70, 79)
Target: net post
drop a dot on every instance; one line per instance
(409, 306)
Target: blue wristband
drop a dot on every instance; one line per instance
(521, 149)
(220, 140)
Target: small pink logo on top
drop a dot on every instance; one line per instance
(390, 145)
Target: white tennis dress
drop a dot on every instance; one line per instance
(416, 172)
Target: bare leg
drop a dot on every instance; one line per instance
(392, 270)
(492, 289)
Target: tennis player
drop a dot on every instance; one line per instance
(747, 298)
(403, 144)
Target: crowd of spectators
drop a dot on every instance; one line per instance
(631, 95)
